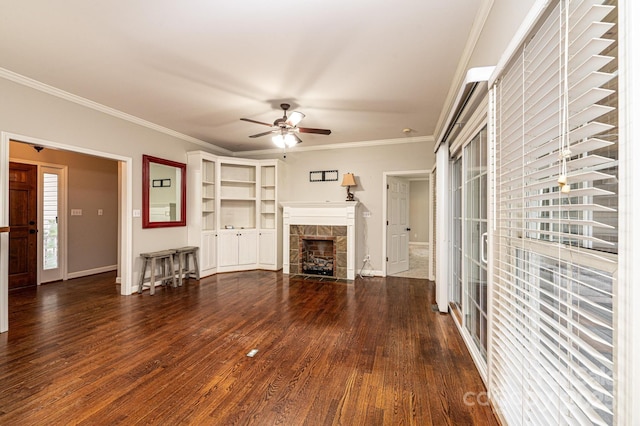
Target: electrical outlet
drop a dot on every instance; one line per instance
(366, 214)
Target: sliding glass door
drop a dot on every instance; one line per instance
(468, 294)
(475, 240)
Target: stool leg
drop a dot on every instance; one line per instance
(180, 268)
(195, 264)
(172, 267)
(145, 261)
(152, 282)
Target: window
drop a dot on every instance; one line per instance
(555, 247)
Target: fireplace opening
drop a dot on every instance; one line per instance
(318, 256)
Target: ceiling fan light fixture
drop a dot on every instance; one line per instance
(294, 118)
(284, 140)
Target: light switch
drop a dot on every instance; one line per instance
(76, 212)
(100, 212)
(136, 212)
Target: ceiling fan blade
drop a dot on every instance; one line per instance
(262, 134)
(318, 131)
(257, 122)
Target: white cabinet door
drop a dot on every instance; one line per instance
(208, 251)
(247, 247)
(267, 248)
(228, 248)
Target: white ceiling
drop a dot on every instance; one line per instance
(366, 69)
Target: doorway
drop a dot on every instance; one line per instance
(406, 224)
(125, 214)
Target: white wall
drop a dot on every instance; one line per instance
(419, 211)
(33, 113)
(502, 23)
(368, 164)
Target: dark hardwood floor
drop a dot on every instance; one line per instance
(367, 353)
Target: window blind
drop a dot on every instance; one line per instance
(553, 276)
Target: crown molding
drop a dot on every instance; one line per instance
(45, 88)
(346, 145)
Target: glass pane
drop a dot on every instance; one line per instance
(50, 221)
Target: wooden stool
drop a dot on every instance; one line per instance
(165, 259)
(184, 271)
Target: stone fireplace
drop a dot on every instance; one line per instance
(319, 239)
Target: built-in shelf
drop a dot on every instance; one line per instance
(232, 195)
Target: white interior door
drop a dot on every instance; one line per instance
(397, 225)
(52, 224)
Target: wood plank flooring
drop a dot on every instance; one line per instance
(371, 352)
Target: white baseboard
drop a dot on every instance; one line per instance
(87, 272)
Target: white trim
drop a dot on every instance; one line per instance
(346, 145)
(472, 348)
(93, 271)
(432, 225)
(627, 332)
(442, 228)
(4, 237)
(34, 84)
(62, 172)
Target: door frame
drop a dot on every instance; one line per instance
(385, 175)
(125, 240)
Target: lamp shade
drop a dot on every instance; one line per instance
(348, 180)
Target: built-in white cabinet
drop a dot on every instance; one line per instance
(208, 252)
(267, 255)
(234, 215)
(238, 250)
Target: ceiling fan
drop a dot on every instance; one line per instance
(285, 130)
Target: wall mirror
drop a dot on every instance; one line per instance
(164, 193)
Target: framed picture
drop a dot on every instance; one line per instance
(323, 176)
(161, 183)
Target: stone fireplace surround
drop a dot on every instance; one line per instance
(317, 219)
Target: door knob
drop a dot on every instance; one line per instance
(33, 231)
(31, 222)
(408, 229)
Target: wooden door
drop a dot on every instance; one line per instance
(23, 219)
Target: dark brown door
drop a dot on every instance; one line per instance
(23, 216)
